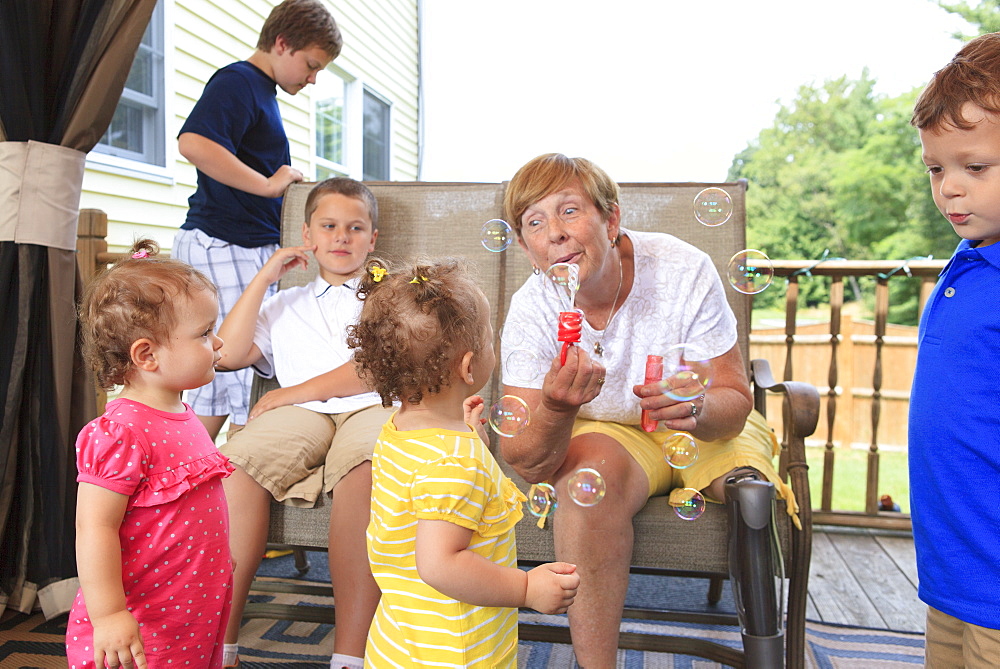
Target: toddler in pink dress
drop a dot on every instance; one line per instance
(152, 521)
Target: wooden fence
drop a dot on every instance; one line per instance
(854, 392)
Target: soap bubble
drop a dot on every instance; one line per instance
(586, 487)
(523, 367)
(680, 450)
(692, 508)
(541, 499)
(497, 235)
(509, 416)
(564, 279)
(750, 271)
(687, 372)
(713, 206)
(512, 337)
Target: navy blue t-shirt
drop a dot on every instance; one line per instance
(239, 110)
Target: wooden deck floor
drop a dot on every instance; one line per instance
(864, 578)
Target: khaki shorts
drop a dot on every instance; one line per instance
(953, 644)
(297, 454)
(755, 447)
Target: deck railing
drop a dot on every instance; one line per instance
(877, 352)
(823, 354)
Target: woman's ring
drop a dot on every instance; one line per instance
(600, 381)
(694, 410)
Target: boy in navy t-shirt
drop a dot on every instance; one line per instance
(235, 138)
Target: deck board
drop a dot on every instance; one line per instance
(887, 588)
(902, 552)
(864, 579)
(835, 590)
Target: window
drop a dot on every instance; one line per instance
(376, 138)
(352, 126)
(137, 131)
(331, 126)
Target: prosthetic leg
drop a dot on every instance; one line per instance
(756, 569)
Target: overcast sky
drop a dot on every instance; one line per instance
(651, 90)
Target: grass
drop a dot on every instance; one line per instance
(851, 476)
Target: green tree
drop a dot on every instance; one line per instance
(985, 16)
(839, 173)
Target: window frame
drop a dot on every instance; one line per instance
(129, 163)
(355, 90)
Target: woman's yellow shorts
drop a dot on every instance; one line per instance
(755, 447)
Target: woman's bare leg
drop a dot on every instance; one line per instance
(598, 540)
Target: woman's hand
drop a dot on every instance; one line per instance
(473, 408)
(676, 414)
(718, 412)
(117, 641)
(570, 386)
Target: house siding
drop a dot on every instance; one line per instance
(381, 49)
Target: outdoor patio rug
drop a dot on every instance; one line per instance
(30, 642)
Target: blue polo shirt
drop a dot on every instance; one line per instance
(239, 110)
(954, 440)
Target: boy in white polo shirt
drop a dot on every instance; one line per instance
(316, 433)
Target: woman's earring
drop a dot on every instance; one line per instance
(614, 242)
(535, 270)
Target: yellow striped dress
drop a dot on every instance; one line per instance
(437, 475)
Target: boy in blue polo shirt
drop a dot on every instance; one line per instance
(234, 136)
(954, 424)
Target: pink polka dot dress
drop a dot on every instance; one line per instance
(176, 567)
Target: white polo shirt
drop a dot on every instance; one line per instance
(302, 332)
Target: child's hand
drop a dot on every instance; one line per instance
(273, 399)
(284, 259)
(117, 641)
(279, 182)
(473, 410)
(552, 587)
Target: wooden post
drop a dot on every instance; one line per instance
(91, 240)
(91, 243)
(836, 305)
(881, 317)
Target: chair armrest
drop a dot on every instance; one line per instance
(802, 398)
(800, 414)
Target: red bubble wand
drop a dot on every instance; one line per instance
(565, 279)
(570, 324)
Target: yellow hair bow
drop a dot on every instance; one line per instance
(418, 279)
(377, 273)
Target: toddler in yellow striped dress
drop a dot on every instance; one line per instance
(441, 535)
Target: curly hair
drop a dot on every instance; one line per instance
(973, 75)
(303, 24)
(417, 321)
(131, 300)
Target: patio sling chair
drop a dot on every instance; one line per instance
(439, 219)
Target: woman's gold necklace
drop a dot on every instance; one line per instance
(598, 348)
